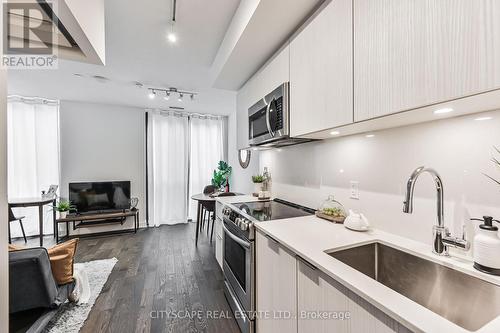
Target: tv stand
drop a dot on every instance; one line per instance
(96, 219)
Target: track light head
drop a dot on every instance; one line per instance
(192, 97)
(167, 95)
(152, 94)
(172, 38)
(181, 95)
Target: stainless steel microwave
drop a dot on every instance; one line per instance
(269, 120)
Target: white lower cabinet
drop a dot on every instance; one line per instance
(276, 287)
(294, 296)
(320, 303)
(219, 250)
(324, 306)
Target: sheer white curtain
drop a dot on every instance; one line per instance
(168, 137)
(33, 156)
(207, 149)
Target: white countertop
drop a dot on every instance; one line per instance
(310, 236)
(237, 198)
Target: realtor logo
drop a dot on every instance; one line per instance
(29, 35)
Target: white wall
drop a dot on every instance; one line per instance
(460, 149)
(103, 143)
(241, 179)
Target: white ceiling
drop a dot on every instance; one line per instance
(137, 50)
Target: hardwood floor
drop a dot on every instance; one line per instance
(159, 274)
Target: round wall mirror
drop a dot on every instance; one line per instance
(244, 157)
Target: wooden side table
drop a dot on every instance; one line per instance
(87, 220)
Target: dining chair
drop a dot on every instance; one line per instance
(207, 208)
(13, 218)
(209, 189)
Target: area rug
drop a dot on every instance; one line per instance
(70, 317)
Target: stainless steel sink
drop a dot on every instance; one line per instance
(464, 300)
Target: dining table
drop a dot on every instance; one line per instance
(203, 200)
(36, 202)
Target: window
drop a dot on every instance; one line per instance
(33, 155)
(183, 151)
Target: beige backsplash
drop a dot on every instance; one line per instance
(460, 149)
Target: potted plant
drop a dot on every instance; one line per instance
(257, 180)
(63, 207)
(497, 163)
(221, 175)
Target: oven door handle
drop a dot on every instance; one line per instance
(268, 118)
(238, 240)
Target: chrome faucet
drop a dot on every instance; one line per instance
(442, 238)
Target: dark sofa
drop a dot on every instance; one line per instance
(34, 296)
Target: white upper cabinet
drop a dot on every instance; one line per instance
(408, 54)
(321, 74)
(274, 73)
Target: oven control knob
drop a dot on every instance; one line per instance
(244, 226)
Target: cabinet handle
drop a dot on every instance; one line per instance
(307, 263)
(272, 239)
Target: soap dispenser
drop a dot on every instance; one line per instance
(487, 247)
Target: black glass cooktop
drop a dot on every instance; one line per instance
(273, 210)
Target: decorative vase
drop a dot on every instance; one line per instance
(257, 188)
(63, 215)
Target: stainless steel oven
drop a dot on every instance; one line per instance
(268, 119)
(239, 252)
(238, 267)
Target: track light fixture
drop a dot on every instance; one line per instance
(172, 38)
(171, 35)
(172, 91)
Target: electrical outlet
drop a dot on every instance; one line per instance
(354, 190)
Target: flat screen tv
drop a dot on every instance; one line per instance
(94, 197)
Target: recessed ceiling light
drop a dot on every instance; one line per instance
(78, 74)
(334, 133)
(443, 110)
(483, 118)
(370, 135)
